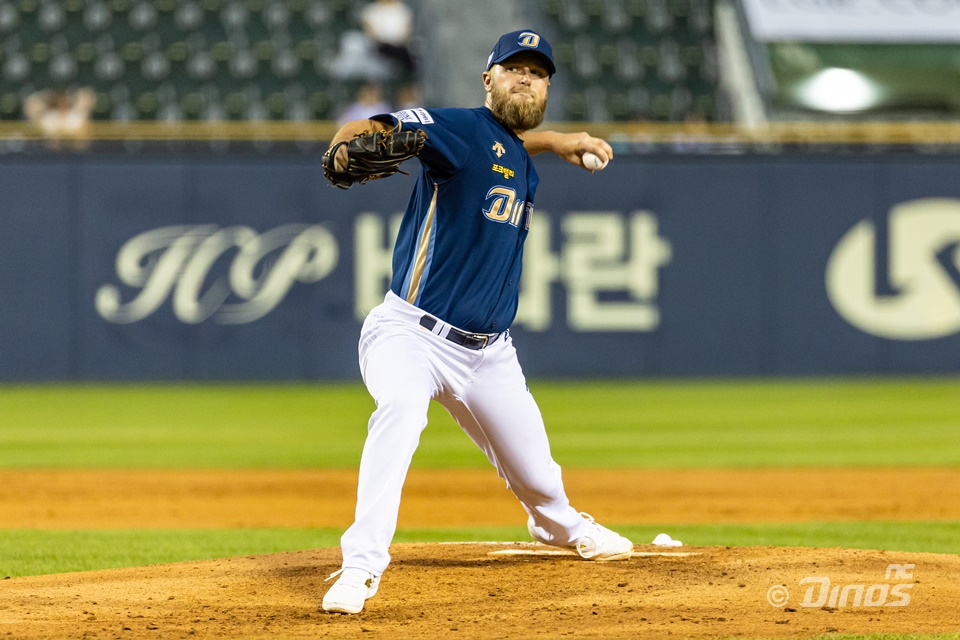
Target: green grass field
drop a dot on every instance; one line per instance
(805, 423)
(596, 424)
(25, 552)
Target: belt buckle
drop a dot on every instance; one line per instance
(480, 339)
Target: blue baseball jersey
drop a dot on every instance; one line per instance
(458, 252)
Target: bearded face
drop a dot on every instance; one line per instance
(515, 111)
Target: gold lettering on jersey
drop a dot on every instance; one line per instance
(507, 173)
(498, 149)
(501, 205)
(505, 206)
(517, 213)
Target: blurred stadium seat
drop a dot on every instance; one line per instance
(268, 59)
(176, 59)
(636, 59)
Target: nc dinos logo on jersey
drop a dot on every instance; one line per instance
(920, 294)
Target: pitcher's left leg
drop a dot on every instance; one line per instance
(503, 419)
(505, 428)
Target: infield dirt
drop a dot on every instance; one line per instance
(474, 590)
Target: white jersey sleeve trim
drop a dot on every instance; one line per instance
(421, 116)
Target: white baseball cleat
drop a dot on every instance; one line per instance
(596, 543)
(602, 544)
(533, 532)
(348, 594)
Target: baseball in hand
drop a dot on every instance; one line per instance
(592, 162)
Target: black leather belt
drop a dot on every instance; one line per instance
(475, 341)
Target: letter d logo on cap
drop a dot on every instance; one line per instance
(528, 39)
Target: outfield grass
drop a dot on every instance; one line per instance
(901, 422)
(25, 552)
(617, 424)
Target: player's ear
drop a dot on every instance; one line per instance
(487, 81)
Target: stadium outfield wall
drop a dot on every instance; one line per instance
(121, 267)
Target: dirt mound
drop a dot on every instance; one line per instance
(222, 498)
(462, 590)
(498, 590)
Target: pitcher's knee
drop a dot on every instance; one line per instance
(536, 491)
(406, 413)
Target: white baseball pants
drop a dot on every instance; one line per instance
(405, 366)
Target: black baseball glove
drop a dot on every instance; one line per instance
(372, 156)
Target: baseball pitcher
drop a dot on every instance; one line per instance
(442, 332)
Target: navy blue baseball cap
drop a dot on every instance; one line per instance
(519, 41)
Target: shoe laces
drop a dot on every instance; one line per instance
(595, 537)
(366, 579)
(593, 530)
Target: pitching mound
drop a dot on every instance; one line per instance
(499, 590)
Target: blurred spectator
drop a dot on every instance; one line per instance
(369, 102)
(389, 25)
(358, 59)
(408, 97)
(62, 116)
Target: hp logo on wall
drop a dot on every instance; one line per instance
(914, 294)
(178, 262)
